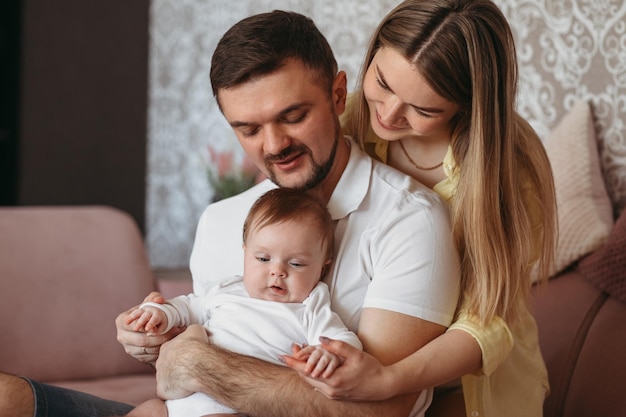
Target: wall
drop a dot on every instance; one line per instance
(10, 17)
(83, 104)
(183, 118)
(568, 49)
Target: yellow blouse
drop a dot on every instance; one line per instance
(513, 380)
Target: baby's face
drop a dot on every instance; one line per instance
(283, 261)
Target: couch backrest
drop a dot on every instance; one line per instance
(65, 274)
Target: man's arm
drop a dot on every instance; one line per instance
(256, 388)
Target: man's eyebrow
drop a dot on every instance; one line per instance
(236, 124)
(296, 106)
(381, 76)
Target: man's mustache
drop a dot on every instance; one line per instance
(285, 154)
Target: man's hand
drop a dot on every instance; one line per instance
(139, 345)
(175, 369)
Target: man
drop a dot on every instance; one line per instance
(395, 278)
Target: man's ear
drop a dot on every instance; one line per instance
(340, 92)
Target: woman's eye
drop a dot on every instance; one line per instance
(381, 84)
(421, 113)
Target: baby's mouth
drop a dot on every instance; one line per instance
(278, 290)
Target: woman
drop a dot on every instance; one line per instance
(436, 101)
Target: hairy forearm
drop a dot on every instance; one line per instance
(260, 389)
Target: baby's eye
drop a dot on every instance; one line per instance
(297, 264)
(262, 259)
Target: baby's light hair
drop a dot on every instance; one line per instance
(284, 204)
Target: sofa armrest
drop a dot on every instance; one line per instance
(66, 273)
(582, 333)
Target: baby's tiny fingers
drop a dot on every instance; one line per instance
(322, 364)
(330, 369)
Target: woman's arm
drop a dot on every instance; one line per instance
(362, 377)
(467, 347)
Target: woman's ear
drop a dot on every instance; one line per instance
(340, 92)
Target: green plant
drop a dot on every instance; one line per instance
(227, 178)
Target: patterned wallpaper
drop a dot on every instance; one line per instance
(183, 116)
(568, 49)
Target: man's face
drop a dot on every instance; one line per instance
(287, 124)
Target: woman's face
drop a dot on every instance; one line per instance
(400, 101)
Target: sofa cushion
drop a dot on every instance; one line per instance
(564, 309)
(66, 273)
(596, 387)
(584, 208)
(606, 267)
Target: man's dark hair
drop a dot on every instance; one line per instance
(259, 45)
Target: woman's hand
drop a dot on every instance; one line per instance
(138, 344)
(360, 377)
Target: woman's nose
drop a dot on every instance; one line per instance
(391, 111)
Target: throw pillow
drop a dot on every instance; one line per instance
(606, 267)
(584, 208)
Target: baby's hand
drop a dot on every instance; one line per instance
(147, 319)
(320, 363)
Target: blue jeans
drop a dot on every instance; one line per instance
(51, 401)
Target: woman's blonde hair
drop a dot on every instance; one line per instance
(504, 209)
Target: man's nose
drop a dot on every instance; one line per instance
(275, 139)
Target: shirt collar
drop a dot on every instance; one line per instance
(353, 184)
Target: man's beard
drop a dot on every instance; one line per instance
(320, 171)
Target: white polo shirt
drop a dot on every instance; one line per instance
(393, 242)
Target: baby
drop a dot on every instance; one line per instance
(288, 241)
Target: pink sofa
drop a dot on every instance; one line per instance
(68, 272)
(581, 315)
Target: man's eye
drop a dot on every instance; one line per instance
(247, 133)
(296, 118)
